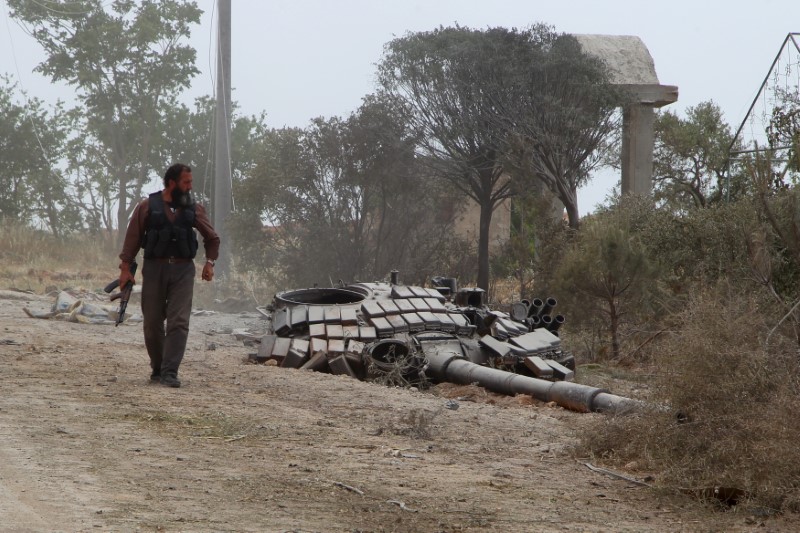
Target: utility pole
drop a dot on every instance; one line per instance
(222, 150)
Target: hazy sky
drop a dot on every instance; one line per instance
(300, 59)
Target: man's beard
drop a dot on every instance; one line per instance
(182, 199)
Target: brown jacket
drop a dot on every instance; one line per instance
(138, 224)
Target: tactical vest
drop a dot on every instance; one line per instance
(163, 238)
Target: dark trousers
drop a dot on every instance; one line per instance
(167, 290)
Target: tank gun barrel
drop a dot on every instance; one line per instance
(444, 366)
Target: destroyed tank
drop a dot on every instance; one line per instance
(410, 336)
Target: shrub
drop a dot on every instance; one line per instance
(735, 398)
(608, 282)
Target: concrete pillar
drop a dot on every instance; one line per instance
(633, 71)
(638, 136)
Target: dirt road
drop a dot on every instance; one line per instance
(88, 444)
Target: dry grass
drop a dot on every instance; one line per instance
(213, 426)
(36, 261)
(731, 402)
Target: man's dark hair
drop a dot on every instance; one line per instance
(174, 172)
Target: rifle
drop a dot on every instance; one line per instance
(124, 294)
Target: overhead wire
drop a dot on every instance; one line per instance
(21, 26)
(59, 12)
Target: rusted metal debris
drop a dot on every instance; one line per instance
(409, 335)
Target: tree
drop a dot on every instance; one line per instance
(32, 187)
(128, 66)
(435, 74)
(188, 136)
(525, 256)
(559, 107)
(500, 108)
(775, 247)
(783, 131)
(342, 198)
(607, 273)
(691, 157)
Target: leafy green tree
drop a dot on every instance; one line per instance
(128, 63)
(188, 136)
(608, 273)
(498, 109)
(691, 158)
(33, 188)
(560, 111)
(262, 223)
(435, 74)
(343, 198)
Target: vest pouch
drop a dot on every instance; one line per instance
(192, 243)
(182, 241)
(164, 238)
(149, 244)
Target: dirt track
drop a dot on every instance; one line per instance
(87, 444)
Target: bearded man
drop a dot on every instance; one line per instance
(164, 226)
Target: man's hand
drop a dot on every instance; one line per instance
(208, 272)
(125, 276)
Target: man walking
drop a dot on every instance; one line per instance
(164, 225)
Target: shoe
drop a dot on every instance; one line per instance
(155, 376)
(170, 381)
